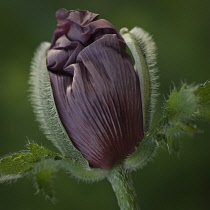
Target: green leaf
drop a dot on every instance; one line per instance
(182, 105)
(44, 173)
(179, 128)
(181, 110)
(38, 152)
(189, 102)
(16, 165)
(203, 93)
(7, 178)
(173, 145)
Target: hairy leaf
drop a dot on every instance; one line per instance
(44, 173)
(182, 105)
(181, 111)
(203, 93)
(16, 165)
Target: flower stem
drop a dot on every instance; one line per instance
(122, 185)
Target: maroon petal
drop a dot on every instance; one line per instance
(100, 106)
(95, 87)
(64, 53)
(73, 18)
(88, 33)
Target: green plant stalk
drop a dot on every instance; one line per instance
(122, 185)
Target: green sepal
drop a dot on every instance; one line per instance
(87, 174)
(143, 50)
(143, 154)
(46, 113)
(44, 105)
(45, 109)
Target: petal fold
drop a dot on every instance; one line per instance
(96, 89)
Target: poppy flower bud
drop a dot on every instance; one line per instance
(95, 87)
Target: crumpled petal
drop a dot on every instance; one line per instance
(97, 94)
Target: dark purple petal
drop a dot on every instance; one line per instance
(86, 34)
(96, 90)
(63, 54)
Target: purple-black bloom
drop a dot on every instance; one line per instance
(95, 87)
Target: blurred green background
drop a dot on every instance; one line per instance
(181, 30)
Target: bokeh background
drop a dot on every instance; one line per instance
(181, 30)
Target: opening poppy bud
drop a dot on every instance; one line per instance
(95, 88)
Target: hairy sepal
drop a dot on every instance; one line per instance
(143, 49)
(44, 105)
(86, 174)
(46, 113)
(143, 154)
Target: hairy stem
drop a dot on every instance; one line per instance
(122, 185)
